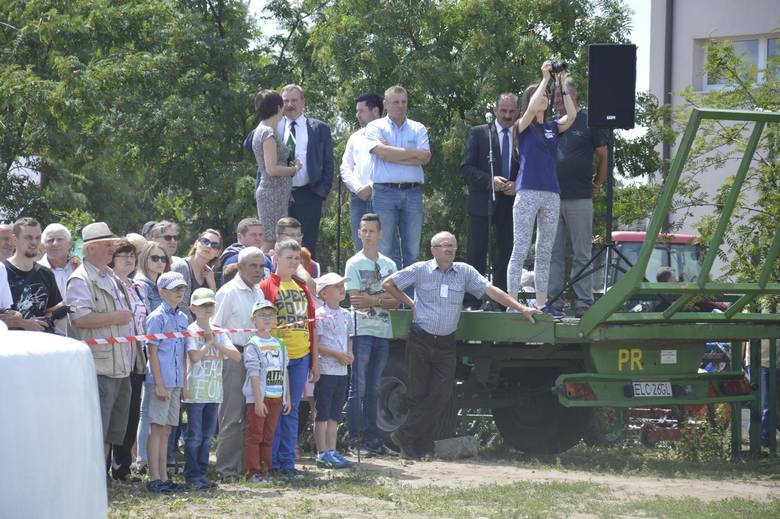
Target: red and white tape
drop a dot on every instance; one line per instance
(200, 333)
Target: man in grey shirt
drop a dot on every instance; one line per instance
(440, 285)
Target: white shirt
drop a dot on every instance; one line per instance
(234, 305)
(500, 131)
(356, 162)
(61, 275)
(301, 178)
(6, 300)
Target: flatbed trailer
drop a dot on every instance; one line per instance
(542, 380)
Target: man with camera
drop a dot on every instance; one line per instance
(579, 181)
(476, 170)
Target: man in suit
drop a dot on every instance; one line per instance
(475, 169)
(310, 141)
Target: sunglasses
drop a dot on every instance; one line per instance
(208, 243)
(170, 237)
(158, 259)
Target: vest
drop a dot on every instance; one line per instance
(111, 360)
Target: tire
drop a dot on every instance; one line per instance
(607, 426)
(537, 423)
(392, 407)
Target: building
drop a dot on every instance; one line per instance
(679, 33)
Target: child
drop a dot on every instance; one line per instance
(266, 390)
(538, 192)
(294, 304)
(334, 333)
(204, 387)
(165, 376)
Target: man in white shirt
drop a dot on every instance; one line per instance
(234, 310)
(57, 241)
(311, 143)
(356, 163)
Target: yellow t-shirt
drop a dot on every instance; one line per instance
(292, 306)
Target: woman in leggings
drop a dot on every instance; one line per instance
(538, 192)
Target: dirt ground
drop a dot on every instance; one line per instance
(463, 474)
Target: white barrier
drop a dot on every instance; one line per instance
(51, 445)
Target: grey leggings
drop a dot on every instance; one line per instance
(530, 205)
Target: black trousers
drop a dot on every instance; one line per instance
(430, 367)
(477, 246)
(122, 453)
(306, 207)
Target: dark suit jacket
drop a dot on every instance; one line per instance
(475, 169)
(319, 157)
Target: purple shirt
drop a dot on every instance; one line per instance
(537, 148)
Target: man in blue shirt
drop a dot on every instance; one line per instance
(399, 149)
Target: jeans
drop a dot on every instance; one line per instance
(357, 208)
(370, 360)
(400, 211)
(201, 427)
(765, 402)
(286, 435)
(143, 427)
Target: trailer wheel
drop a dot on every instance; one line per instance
(538, 423)
(607, 426)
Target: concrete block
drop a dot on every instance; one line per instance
(456, 448)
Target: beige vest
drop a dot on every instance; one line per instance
(111, 360)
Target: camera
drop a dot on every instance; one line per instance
(558, 66)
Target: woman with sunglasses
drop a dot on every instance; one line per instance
(153, 261)
(123, 262)
(197, 267)
(538, 192)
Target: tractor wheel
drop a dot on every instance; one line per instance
(607, 426)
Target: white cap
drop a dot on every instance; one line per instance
(331, 278)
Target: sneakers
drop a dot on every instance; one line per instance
(200, 484)
(255, 478)
(292, 474)
(551, 310)
(159, 486)
(343, 462)
(375, 447)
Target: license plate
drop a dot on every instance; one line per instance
(652, 389)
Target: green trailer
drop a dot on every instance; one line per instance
(543, 381)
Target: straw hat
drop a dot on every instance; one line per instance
(97, 232)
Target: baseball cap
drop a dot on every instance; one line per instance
(331, 278)
(170, 280)
(203, 296)
(259, 305)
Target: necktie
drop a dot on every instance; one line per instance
(506, 152)
(291, 141)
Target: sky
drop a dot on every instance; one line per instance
(640, 35)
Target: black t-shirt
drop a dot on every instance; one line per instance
(575, 157)
(34, 291)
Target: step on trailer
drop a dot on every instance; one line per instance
(544, 381)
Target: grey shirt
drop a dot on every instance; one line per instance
(438, 295)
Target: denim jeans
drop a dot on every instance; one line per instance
(143, 427)
(370, 359)
(400, 212)
(765, 402)
(201, 427)
(286, 435)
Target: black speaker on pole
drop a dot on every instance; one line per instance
(611, 85)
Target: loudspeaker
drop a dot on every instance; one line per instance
(611, 85)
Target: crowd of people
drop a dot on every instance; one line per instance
(295, 340)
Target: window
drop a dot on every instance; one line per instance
(773, 55)
(747, 50)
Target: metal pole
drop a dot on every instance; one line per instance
(491, 202)
(736, 407)
(772, 397)
(755, 404)
(338, 229)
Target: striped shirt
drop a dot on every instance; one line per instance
(438, 295)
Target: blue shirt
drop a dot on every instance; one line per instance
(410, 134)
(170, 352)
(537, 148)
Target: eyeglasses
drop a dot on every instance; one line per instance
(158, 259)
(125, 255)
(208, 243)
(170, 237)
(180, 289)
(445, 246)
(294, 236)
